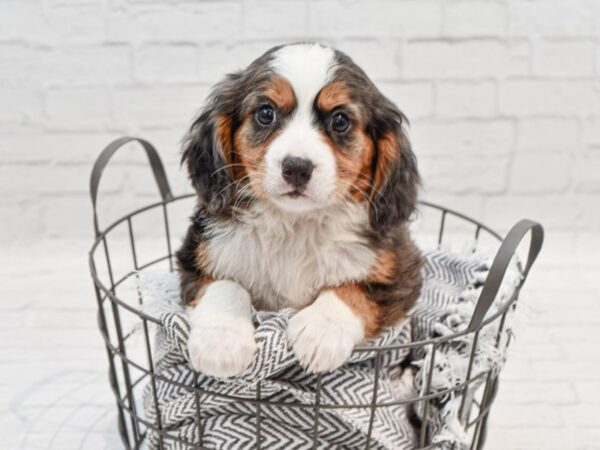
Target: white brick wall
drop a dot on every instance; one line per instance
(504, 101)
(509, 89)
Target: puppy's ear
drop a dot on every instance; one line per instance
(208, 150)
(395, 174)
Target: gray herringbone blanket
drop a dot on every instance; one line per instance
(452, 283)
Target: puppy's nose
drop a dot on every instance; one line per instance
(296, 171)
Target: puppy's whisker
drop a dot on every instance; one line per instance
(366, 197)
(241, 195)
(346, 196)
(341, 191)
(235, 182)
(348, 185)
(227, 166)
(365, 179)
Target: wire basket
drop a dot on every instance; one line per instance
(116, 257)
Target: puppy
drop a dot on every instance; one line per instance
(305, 181)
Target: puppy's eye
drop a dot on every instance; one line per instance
(339, 122)
(265, 115)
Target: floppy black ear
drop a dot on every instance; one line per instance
(396, 177)
(208, 147)
(205, 150)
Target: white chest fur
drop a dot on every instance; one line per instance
(284, 259)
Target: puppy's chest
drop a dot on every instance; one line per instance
(287, 264)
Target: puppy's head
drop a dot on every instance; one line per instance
(303, 128)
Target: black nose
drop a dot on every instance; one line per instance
(296, 171)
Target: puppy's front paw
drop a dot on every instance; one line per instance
(223, 347)
(323, 335)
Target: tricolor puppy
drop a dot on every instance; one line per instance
(305, 181)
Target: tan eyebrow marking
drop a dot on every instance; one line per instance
(333, 95)
(280, 92)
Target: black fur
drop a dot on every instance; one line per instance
(205, 162)
(396, 199)
(189, 271)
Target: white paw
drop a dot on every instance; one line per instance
(321, 340)
(223, 347)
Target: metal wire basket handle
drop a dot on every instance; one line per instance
(502, 261)
(153, 158)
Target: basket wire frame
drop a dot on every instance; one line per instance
(128, 375)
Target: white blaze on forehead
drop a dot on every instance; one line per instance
(308, 67)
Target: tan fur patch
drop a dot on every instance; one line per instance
(201, 256)
(200, 284)
(251, 157)
(249, 153)
(223, 135)
(354, 168)
(388, 152)
(384, 269)
(333, 95)
(280, 92)
(355, 297)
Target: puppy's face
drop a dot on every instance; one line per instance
(303, 136)
(303, 128)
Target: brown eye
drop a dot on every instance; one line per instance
(339, 122)
(265, 115)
